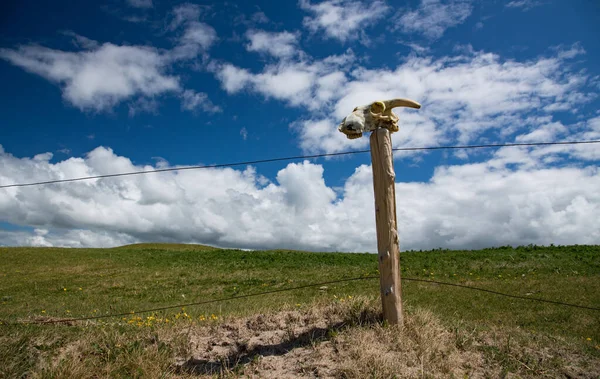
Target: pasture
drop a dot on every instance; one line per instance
(507, 335)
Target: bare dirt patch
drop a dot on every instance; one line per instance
(336, 340)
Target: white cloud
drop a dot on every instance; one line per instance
(308, 83)
(284, 44)
(481, 205)
(433, 17)
(140, 3)
(195, 36)
(233, 79)
(524, 4)
(192, 101)
(81, 41)
(556, 131)
(292, 83)
(260, 18)
(544, 133)
(244, 133)
(102, 75)
(569, 52)
(184, 13)
(68, 238)
(342, 19)
(461, 206)
(100, 78)
(463, 96)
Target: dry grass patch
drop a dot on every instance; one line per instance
(346, 339)
(421, 348)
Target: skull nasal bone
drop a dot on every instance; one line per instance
(353, 125)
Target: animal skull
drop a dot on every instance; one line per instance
(376, 115)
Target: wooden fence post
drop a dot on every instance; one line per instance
(387, 229)
(379, 119)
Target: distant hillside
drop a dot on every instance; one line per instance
(167, 246)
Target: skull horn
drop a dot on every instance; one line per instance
(394, 103)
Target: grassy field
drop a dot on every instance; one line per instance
(48, 283)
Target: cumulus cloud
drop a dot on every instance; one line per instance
(342, 19)
(284, 44)
(514, 198)
(433, 17)
(100, 76)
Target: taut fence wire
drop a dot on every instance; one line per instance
(320, 284)
(292, 158)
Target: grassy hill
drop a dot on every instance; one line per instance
(49, 283)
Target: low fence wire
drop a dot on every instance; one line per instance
(320, 284)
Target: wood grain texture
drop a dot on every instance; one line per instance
(387, 229)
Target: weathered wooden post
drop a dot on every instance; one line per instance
(379, 119)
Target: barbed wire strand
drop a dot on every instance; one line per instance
(459, 147)
(71, 320)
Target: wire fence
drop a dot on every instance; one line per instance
(312, 285)
(292, 158)
(320, 284)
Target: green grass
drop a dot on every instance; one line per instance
(63, 283)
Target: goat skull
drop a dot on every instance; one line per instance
(376, 115)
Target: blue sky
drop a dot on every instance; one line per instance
(95, 88)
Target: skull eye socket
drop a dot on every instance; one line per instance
(377, 107)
